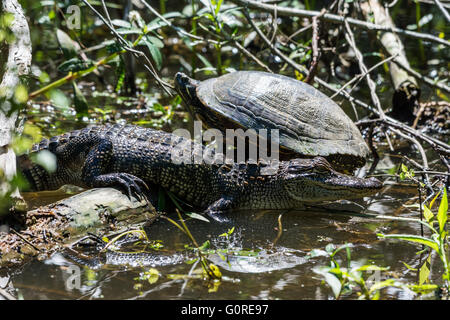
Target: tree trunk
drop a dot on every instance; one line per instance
(17, 65)
(407, 93)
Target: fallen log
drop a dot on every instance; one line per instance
(47, 228)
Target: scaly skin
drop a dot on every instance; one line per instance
(136, 159)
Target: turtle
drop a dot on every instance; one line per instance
(309, 123)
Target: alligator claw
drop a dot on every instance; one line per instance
(132, 185)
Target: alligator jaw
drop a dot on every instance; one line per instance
(314, 180)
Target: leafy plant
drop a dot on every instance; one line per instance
(343, 280)
(437, 241)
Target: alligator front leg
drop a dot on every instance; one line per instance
(99, 155)
(219, 208)
(98, 160)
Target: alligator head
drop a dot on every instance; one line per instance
(313, 180)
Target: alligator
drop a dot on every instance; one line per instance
(138, 159)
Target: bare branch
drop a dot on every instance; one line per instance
(284, 11)
(443, 10)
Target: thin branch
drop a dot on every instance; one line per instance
(178, 29)
(290, 12)
(251, 56)
(289, 61)
(358, 78)
(424, 79)
(351, 40)
(138, 54)
(315, 48)
(443, 10)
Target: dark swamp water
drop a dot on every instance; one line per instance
(280, 270)
(280, 265)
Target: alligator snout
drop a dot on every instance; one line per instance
(373, 183)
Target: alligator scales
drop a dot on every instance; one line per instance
(136, 159)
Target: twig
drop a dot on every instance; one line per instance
(251, 56)
(7, 295)
(376, 157)
(178, 29)
(351, 40)
(445, 5)
(275, 24)
(289, 61)
(439, 146)
(315, 48)
(358, 78)
(280, 231)
(25, 240)
(296, 33)
(424, 166)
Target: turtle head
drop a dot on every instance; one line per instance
(186, 87)
(312, 180)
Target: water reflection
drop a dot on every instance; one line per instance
(277, 267)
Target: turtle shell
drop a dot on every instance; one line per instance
(309, 123)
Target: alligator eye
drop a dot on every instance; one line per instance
(321, 168)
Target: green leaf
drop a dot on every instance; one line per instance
(156, 42)
(442, 212)
(204, 60)
(434, 199)
(81, 105)
(371, 268)
(427, 214)
(74, 65)
(404, 168)
(197, 216)
(424, 272)
(154, 51)
(411, 238)
(205, 245)
(69, 47)
(334, 283)
(46, 159)
(408, 266)
(382, 284)
(129, 31)
(222, 256)
(219, 4)
(59, 99)
(121, 23)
